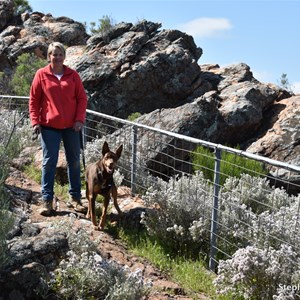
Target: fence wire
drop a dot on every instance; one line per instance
(247, 199)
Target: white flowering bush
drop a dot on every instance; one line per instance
(255, 193)
(253, 213)
(261, 221)
(257, 224)
(85, 274)
(93, 150)
(181, 212)
(275, 228)
(89, 276)
(259, 273)
(250, 212)
(16, 129)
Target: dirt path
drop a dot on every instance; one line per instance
(163, 288)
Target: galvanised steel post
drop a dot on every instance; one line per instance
(214, 215)
(133, 159)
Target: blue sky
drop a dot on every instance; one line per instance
(264, 34)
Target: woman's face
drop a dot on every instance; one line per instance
(56, 58)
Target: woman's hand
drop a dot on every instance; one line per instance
(77, 126)
(37, 128)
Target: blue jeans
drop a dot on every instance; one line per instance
(50, 140)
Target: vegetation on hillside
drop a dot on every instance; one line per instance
(20, 81)
(21, 6)
(103, 26)
(27, 65)
(231, 164)
(284, 83)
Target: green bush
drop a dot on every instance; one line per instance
(232, 165)
(28, 64)
(132, 117)
(103, 26)
(21, 6)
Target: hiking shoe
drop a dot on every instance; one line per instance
(76, 205)
(47, 208)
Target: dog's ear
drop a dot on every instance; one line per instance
(119, 151)
(105, 148)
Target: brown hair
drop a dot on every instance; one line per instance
(54, 45)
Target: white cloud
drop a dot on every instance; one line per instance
(206, 27)
(296, 87)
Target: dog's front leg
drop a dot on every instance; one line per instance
(114, 195)
(104, 212)
(92, 208)
(88, 196)
(88, 214)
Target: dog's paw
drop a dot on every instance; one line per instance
(95, 227)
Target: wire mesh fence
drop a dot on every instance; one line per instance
(224, 198)
(246, 193)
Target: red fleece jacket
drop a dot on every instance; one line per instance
(57, 103)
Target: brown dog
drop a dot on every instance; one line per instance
(99, 180)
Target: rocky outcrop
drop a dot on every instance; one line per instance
(6, 12)
(32, 33)
(279, 138)
(140, 68)
(136, 68)
(232, 114)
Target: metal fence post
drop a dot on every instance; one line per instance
(214, 215)
(133, 159)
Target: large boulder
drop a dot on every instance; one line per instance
(34, 35)
(231, 110)
(137, 68)
(279, 138)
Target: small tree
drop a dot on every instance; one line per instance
(28, 64)
(105, 24)
(284, 82)
(21, 6)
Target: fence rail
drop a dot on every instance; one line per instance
(257, 206)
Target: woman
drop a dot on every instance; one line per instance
(57, 108)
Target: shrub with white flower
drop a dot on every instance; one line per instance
(253, 213)
(93, 150)
(256, 273)
(89, 276)
(262, 221)
(275, 228)
(85, 274)
(254, 192)
(181, 210)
